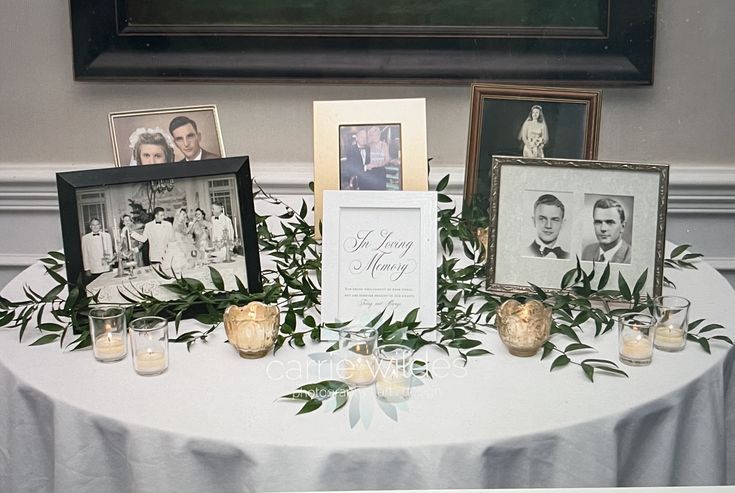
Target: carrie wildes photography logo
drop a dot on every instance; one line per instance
(330, 366)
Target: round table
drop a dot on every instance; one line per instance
(212, 422)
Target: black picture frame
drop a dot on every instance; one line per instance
(69, 183)
(619, 51)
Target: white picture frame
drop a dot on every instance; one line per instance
(379, 251)
(402, 126)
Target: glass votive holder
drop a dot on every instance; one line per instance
(357, 364)
(107, 329)
(149, 339)
(635, 343)
(672, 322)
(395, 370)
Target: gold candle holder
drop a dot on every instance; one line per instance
(252, 329)
(523, 328)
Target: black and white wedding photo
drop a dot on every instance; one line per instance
(178, 226)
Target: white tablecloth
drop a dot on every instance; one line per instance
(211, 423)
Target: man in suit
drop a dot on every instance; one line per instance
(187, 138)
(158, 233)
(222, 229)
(96, 250)
(548, 219)
(609, 221)
(357, 157)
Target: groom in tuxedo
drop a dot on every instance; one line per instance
(548, 219)
(353, 170)
(158, 233)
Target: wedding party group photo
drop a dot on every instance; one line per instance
(176, 225)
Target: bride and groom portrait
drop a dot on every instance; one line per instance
(370, 157)
(166, 135)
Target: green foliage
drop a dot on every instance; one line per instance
(464, 308)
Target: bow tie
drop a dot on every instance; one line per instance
(556, 250)
(216, 217)
(158, 222)
(95, 234)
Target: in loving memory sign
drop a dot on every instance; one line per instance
(379, 253)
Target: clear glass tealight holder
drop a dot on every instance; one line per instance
(149, 344)
(395, 371)
(357, 364)
(635, 343)
(672, 322)
(108, 330)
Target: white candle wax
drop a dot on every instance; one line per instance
(393, 387)
(109, 346)
(669, 337)
(637, 348)
(149, 361)
(359, 370)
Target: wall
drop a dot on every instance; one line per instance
(50, 123)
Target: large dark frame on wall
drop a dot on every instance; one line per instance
(68, 183)
(110, 43)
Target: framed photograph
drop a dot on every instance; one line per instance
(535, 122)
(166, 135)
(121, 225)
(546, 213)
(369, 145)
(379, 253)
(590, 41)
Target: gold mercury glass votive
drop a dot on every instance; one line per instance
(252, 328)
(523, 328)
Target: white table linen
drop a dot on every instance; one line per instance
(211, 423)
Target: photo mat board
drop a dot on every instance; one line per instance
(596, 210)
(398, 131)
(130, 249)
(130, 129)
(502, 123)
(379, 253)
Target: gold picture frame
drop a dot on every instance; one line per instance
(400, 125)
(575, 191)
(127, 128)
(498, 114)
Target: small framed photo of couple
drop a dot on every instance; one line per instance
(166, 135)
(373, 145)
(532, 122)
(546, 213)
(122, 226)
